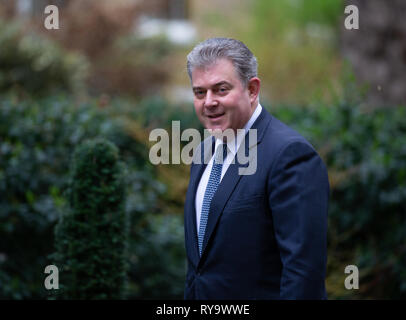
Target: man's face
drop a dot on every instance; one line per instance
(220, 98)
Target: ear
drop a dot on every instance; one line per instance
(254, 84)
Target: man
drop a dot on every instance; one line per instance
(261, 235)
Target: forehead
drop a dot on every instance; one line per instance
(220, 71)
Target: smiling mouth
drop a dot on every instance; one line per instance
(216, 116)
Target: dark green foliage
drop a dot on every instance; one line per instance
(159, 260)
(37, 140)
(92, 237)
(370, 204)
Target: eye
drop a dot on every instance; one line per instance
(199, 93)
(222, 90)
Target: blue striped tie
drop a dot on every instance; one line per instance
(211, 188)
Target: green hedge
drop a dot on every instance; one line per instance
(38, 139)
(161, 249)
(92, 236)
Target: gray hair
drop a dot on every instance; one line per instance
(209, 51)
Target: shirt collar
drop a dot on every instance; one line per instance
(234, 144)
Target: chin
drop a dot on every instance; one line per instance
(216, 127)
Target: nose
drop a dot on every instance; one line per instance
(210, 100)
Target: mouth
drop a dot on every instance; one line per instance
(216, 116)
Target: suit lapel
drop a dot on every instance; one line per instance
(201, 159)
(231, 179)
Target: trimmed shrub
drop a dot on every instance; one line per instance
(91, 239)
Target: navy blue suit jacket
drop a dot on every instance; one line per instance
(266, 236)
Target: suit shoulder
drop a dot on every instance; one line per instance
(286, 143)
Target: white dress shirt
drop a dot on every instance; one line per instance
(232, 146)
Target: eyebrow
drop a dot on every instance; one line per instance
(215, 85)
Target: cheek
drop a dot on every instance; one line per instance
(198, 108)
(237, 115)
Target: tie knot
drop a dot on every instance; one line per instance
(221, 153)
